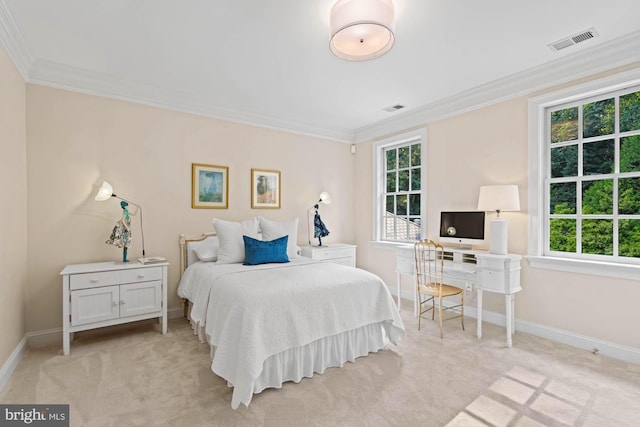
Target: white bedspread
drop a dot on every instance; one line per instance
(250, 313)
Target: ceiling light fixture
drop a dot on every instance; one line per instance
(361, 29)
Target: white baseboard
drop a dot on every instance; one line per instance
(175, 313)
(627, 354)
(12, 362)
(617, 351)
(49, 337)
(54, 336)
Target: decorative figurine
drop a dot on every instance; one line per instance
(121, 234)
(320, 230)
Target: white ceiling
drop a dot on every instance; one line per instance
(267, 62)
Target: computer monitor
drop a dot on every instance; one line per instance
(465, 228)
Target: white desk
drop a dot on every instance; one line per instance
(471, 269)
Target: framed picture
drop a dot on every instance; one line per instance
(209, 186)
(265, 189)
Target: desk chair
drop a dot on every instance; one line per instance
(429, 258)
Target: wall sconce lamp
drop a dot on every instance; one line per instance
(361, 29)
(320, 230)
(105, 192)
(498, 198)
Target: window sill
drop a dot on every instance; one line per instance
(391, 245)
(595, 268)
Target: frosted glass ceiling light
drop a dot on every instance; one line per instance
(361, 29)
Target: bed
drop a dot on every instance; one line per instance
(275, 322)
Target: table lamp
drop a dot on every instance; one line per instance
(320, 230)
(498, 198)
(105, 192)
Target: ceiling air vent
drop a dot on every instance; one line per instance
(394, 108)
(574, 39)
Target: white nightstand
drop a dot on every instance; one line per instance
(339, 253)
(109, 293)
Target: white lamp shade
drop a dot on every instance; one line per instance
(499, 198)
(361, 29)
(104, 192)
(325, 198)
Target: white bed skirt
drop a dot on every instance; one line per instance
(300, 362)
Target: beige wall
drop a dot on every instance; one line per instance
(76, 141)
(489, 146)
(13, 211)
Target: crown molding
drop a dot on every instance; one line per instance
(52, 74)
(13, 42)
(604, 57)
(61, 76)
(57, 75)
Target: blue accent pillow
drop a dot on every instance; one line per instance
(264, 252)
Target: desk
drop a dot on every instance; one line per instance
(471, 269)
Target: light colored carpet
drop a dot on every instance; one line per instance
(137, 377)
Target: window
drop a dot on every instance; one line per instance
(400, 200)
(585, 175)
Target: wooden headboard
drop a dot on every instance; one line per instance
(184, 260)
(184, 248)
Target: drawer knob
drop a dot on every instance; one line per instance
(122, 301)
(140, 276)
(94, 280)
(115, 304)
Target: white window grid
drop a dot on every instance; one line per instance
(615, 176)
(381, 220)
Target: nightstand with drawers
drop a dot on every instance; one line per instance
(339, 253)
(109, 293)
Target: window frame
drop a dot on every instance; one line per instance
(539, 113)
(379, 191)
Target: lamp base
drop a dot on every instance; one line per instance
(498, 236)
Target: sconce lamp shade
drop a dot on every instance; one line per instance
(104, 192)
(325, 198)
(499, 198)
(361, 29)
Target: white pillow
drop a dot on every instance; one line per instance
(230, 235)
(207, 249)
(272, 230)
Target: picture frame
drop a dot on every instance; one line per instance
(209, 186)
(265, 189)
